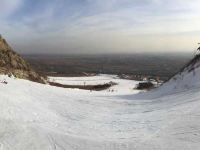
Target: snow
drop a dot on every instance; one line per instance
(89, 80)
(186, 80)
(123, 86)
(41, 117)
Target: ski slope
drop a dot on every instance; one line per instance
(41, 117)
(123, 86)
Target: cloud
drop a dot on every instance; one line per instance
(7, 7)
(71, 25)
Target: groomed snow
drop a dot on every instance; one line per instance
(123, 86)
(41, 117)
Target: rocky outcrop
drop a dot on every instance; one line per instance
(12, 63)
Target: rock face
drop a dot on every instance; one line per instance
(13, 64)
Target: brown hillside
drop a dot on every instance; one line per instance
(12, 63)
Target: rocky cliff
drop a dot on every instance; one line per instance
(12, 63)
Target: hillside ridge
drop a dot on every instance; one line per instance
(12, 63)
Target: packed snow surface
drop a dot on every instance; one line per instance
(41, 117)
(122, 86)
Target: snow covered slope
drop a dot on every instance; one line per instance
(188, 78)
(34, 116)
(123, 86)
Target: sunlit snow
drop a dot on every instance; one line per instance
(42, 117)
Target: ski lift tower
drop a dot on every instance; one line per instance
(198, 50)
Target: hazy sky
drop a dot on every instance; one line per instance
(100, 26)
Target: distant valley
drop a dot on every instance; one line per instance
(139, 65)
